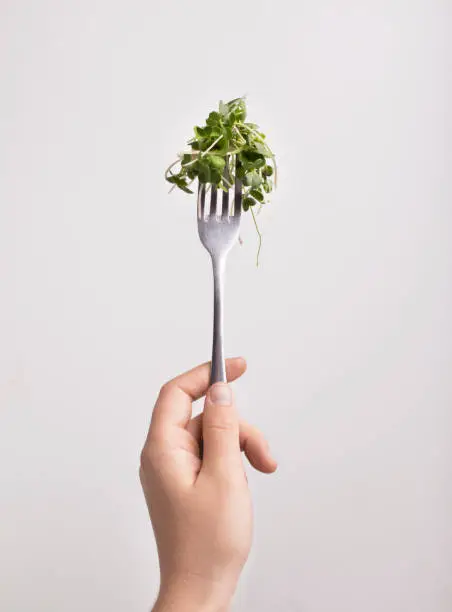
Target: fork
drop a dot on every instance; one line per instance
(219, 231)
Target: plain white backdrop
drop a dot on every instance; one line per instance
(105, 292)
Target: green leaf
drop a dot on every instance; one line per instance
(240, 172)
(257, 195)
(253, 179)
(215, 161)
(213, 118)
(250, 155)
(223, 108)
(204, 176)
(180, 182)
(203, 171)
(263, 149)
(248, 202)
(199, 132)
(185, 188)
(215, 176)
(204, 144)
(238, 109)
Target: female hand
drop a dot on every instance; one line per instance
(200, 507)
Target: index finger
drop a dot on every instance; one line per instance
(174, 403)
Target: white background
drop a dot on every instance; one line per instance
(106, 293)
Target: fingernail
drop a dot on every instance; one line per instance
(220, 395)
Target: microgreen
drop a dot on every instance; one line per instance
(225, 148)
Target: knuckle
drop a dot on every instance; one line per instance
(225, 426)
(165, 388)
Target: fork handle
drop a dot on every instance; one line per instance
(218, 371)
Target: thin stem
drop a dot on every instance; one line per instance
(234, 127)
(204, 152)
(171, 166)
(275, 168)
(198, 200)
(232, 165)
(259, 234)
(212, 145)
(225, 180)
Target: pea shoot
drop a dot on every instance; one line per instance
(225, 148)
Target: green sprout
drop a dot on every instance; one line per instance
(225, 148)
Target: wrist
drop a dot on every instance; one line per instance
(193, 594)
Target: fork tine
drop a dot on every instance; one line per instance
(238, 198)
(225, 208)
(213, 201)
(227, 180)
(201, 201)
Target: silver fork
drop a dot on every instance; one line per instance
(219, 231)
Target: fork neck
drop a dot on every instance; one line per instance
(218, 372)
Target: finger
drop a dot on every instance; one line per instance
(252, 443)
(256, 448)
(220, 432)
(194, 427)
(173, 407)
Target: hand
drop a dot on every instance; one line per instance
(200, 507)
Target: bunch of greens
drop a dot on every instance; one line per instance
(225, 148)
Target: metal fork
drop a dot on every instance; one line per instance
(219, 231)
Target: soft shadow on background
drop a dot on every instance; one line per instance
(105, 292)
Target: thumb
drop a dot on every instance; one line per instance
(220, 426)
